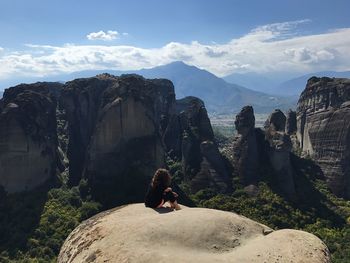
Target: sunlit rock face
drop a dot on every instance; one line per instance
(323, 116)
(28, 138)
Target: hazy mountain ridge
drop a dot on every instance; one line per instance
(218, 95)
(296, 86)
(279, 85)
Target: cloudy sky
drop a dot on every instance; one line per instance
(41, 38)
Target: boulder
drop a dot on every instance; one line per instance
(134, 233)
(323, 120)
(28, 138)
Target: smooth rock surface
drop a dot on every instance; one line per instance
(134, 233)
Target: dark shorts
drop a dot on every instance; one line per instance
(169, 196)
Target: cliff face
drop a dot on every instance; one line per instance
(279, 150)
(324, 129)
(28, 138)
(115, 127)
(246, 159)
(256, 151)
(203, 166)
(113, 131)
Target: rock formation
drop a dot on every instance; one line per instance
(134, 233)
(324, 129)
(28, 138)
(279, 151)
(115, 126)
(291, 122)
(246, 159)
(203, 166)
(257, 151)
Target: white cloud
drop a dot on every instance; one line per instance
(105, 36)
(266, 49)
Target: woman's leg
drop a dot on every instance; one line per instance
(175, 205)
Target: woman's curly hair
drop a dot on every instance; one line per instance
(161, 178)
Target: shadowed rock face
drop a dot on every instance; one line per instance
(291, 122)
(115, 131)
(276, 121)
(256, 150)
(279, 151)
(28, 138)
(203, 166)
(115, 126)
(245, 147)
(323, 116)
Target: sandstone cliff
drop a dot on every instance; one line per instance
(246, 157)
(279, 150)
(113, 131)
(115, 127)
(28, 138)
(202, 163)
(258, 152)
(324, 129)
(134, 233)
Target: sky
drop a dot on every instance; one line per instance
(43, 38)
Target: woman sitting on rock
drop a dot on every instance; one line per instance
(159, 191)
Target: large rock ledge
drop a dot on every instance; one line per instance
(134, 233)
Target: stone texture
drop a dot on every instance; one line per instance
(280, 147)
(134, 233)
(246, 159)
(276, 121)
(28, 138)
(115, 126)
(323, 116)
(113, 131)
(203, 166)
(291, 122)
(256, 151)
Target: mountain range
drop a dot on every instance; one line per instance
(279, 85)
(218, 95)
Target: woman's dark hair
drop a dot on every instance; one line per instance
(161, 178)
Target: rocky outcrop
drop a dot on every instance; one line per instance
(113, 131)
(203, 166)
(323, 115)
(115, 127)
(256, 151)
(291, 122)
(280, 147)
(134, 233)
(246, 159)
(28, 138)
